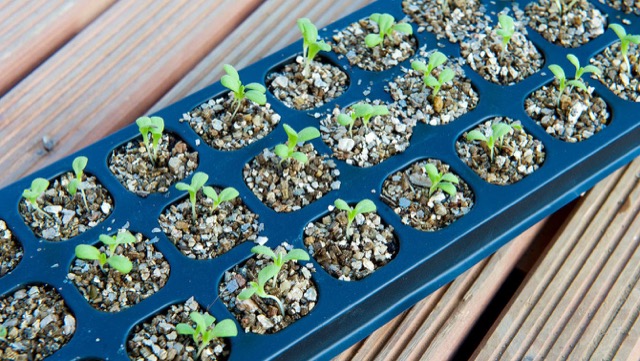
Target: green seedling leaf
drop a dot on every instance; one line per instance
(311, 46)
(185, 329)
(120, 263)
(386, 27)
(197, 182)
(87, 252)
(264, 250)
(38, 187)
(78, 165)
(445, 182)
(252, 91)
(225, 195)
(225, 328)
(296, 254)
(3, 333)
(363, 207)
(247, 292)
(293, 139)
(507, 29)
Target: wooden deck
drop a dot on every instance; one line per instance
(74, 71)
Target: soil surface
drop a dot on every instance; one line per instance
(157, 339)
(416, 102)
(455, 22)
(353, 255)
(68, 216)
(294, 287)
(407, 192)
(212, 122)
(571, 27)
(132, 166)
(212, 233)
(397, 47)
(37, 321)
(519, 155)
(615, 72)
(383, 137)
(111, 291)
(577, 117)
(290, 185)
(507, 66)
(12, 251)
(627, 6)
(325, 83)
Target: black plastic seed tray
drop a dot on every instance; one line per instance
(345, 311)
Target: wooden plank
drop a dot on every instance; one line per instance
(435, 327)
(109, 74)
(583, 294)
(33, 30)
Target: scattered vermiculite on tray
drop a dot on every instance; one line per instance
(390, 100)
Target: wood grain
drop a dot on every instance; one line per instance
(32, 30)
(581, 300)
(106, 76)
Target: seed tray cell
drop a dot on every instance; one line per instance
(345, 311)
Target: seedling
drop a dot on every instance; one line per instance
(205, 330)
(446, 182)
(155, 126)
(446, 76)
(78, 166)
(3, 333)
(252, 91)
(311, 46)
(118, 262)
(363, 207)
(364, 111)
(265, 274)
(435, 60)
(386, 27)
(281, 258)
(498, 131)
(565, 5)
(506, 31)
(294, 138)
(38, 186)
(197, 181)
(225, 195)
(559, 74)
(625, 40)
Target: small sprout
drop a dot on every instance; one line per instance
(38, 186)
(3, 333)
(78, 166)
(498, 131)
(310, 44)
(225, 195)
(252, 91)
(363, 207)
(559, 74)
(446, 181)
(205, 330)
(506, 31)
(625, 40)
(446, 75)
(386, 26)
(364, 111)
(288, 151)
(155, 126)
(280, 259)
(267, 273)
(435, 60)
(565, 5)
(120, 263)
(197, 182)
